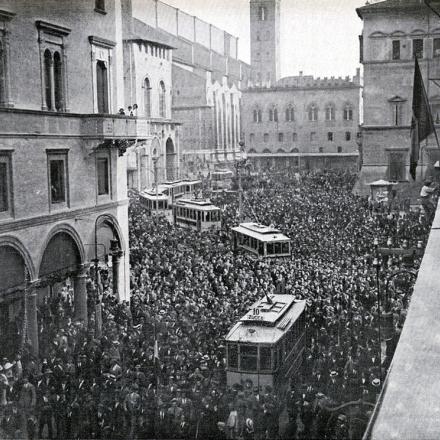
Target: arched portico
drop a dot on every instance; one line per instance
(171, 156)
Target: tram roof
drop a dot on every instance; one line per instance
(200, 204)
(270, 324)
(151, 195)
(261, 232)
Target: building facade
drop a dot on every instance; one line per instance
(302, 122)
(298, 121)
(206, 82)
(63, 190)
(393, 33)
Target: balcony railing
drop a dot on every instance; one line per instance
(115, 127)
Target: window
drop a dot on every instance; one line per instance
(275, 115)
(265, 358)
(348, 136)
(258, 37)
(321, 150)
(294, 137)
(162, 103)
(313, 136)
(252, 138)
(397, 106)
(290, 114)
(266, 137)
(330, 113)
(436, 47)
(262, 13)
(339, 150)
(330, 136)
(147, 98)
(102, 86)
(57, 169)
(280, 137)
(100, 5)
(248, 357)
(52, 44)
(271, 115)
(418, 47)
(233, 356)
(5, 184)
(313, 113)
(361, 48)
(396, 166)
(396, 50)
(102, 166)
(348, 113)
(257, 115)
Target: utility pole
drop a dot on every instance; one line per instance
(239, 164)
(155, 159)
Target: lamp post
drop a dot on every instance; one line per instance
(377, 264)
(239, 165)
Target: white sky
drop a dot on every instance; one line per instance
(319, 37)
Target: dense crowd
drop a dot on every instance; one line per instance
(158, 371)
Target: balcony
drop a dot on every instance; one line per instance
(94, 126)
(115, 127)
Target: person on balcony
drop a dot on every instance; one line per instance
(426, 193)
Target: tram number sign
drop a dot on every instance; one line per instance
(256, 311)
(255, 315)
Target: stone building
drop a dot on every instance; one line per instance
(206, 81)
(393, 33)
(63, 190)
(297, 121)
(303, 122)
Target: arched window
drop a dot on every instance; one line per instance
(348, 112)
(260, 116)
(58, 78)
(147, 98)
(295, 137)
(313, 112)
(295, 150)
(47, 78)
(255, 115)
(162, 103)
(252, 138)
(330, 112)
(271, 114)
(290, 114)
(102, 86)
(100, 5)
(258, 36)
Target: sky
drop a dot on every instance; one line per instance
(318, 37)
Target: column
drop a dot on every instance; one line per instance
(116, 259)
(32, 323)
(52, 84)
(80, 295)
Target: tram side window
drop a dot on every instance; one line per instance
(265, 358)
(246, 240)
(275, 357)
(269, 248)
(277, 247)
(233, 355)
(285, 248)
(260, 248)
(248, 357)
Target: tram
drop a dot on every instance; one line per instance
(156, 204)
(180, 188)
(263, 241)
(197, 214)
(267, 345)
(221, 180)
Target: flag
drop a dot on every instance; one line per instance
(421, 124)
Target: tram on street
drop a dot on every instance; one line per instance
(221, 180)
(266, 346)
(180, 188)
(197, 214)
(263, 241)
(156, 204)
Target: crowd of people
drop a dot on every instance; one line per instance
(158, 369)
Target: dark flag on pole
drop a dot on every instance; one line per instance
(421, 124)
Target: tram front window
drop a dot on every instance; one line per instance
(233, 355)
(248, 357)
(285, 248)
(265, 358)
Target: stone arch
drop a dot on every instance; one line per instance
(170, 159)
(107, 228)
(63, 252)
(14, 258)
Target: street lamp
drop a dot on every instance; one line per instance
(377, 264)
